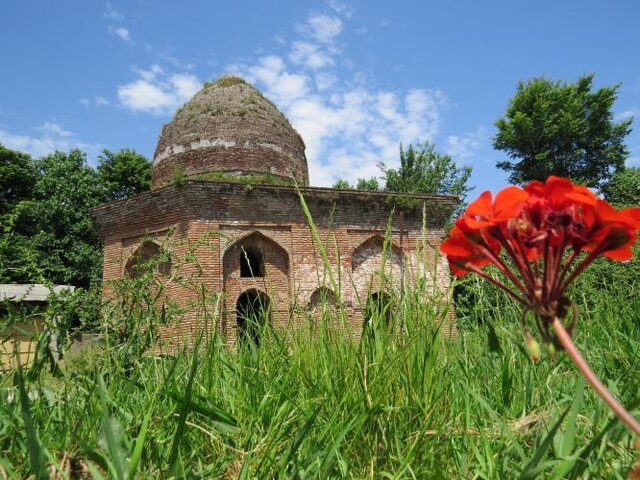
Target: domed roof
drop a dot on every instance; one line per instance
(229, 129)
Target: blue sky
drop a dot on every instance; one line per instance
(355, 78)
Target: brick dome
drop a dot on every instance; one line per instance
(229, 129)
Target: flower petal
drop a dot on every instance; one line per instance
(481, 207)
(457, 246)
(509, 203)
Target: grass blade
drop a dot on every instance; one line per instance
(112, 434)
(37, 453)
(530, 471)
(137, 449)
(184, 411)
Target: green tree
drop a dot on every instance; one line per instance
(368, 184)
(19, 260)
(123, 173)
(342, 185)
(424, 170)
(59, 222)
(624, 187)
(46, 229)
(564, 129)
(18, 176)
(362, 184)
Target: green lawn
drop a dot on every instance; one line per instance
(403, 403)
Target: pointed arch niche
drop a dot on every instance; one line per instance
(322, 297)
(149, 256)
(375, 266)
(256, 262)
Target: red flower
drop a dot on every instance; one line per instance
(460, 251)
(484, 213)
(614, 231)
(536, 238)
(535, 235)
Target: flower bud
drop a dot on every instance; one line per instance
(551, 349)
(533, 347)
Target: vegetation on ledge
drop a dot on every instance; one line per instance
(252, 179)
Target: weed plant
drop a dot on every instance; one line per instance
(313, 401)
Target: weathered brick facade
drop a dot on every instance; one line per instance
(229, 128)
(230, 225)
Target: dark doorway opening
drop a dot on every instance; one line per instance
(378, 308)
(252, 311)
(251, 263)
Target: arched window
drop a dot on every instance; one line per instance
(251, 262)
(252, 312)
(148, 257)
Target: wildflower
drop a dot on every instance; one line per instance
(541, 238)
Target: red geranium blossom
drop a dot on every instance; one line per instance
(541, 238)
(535, 237)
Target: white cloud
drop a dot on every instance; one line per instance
(111, 13)
(348, 126)
(341, 8)
(283, 87)
(53, 129)
(185, 86)
(321, 28)
(309, 55)
(158, 92)
(144, 96)
(52, 136)
(121, 32)
(464, 148)
(325, 80)
(627, 114)
(150, 75)
(98, 101)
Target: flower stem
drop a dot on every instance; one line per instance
(594, 381)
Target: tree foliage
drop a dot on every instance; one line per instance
(372, 184)
(47, 232)
(624, 188)
(368, 184)
(342, 184)
(66, 190)
(563, 129)
(424, 170)
(123, 173)
(17, 178)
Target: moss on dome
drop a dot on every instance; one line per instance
(222, 129)
(225, 81)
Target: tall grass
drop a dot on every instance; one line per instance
(404, 402)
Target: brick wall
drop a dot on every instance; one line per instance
(216, 220)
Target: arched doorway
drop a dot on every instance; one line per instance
(252, 312)
(378, 308)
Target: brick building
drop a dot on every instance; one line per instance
(230, 169)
